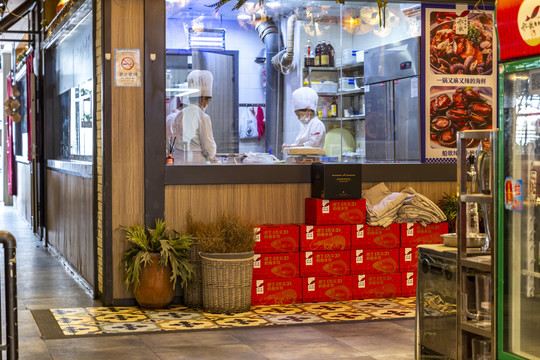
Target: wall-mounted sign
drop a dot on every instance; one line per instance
(513, 195)
(460, 79)
(518, 26)
(127, 67)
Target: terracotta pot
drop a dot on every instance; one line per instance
(155, 290)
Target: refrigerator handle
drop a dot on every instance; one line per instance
(390, 122)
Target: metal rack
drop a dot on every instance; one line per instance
(472, 264)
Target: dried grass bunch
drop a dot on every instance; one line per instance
(229, 234)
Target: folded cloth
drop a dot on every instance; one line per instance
(385, 211)
(418, 208)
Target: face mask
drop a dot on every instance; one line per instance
(304, 119)
(204, 108)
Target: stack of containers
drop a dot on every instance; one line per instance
(276, 265)
(375, 261)
(412, 235)
(325, 243)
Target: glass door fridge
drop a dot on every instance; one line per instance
(518, 290)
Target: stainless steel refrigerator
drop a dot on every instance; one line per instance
(391, 76)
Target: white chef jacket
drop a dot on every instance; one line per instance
(312, 134)
(194, 137)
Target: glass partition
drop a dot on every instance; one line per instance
(231, 75)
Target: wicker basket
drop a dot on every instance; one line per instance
(193, 290)
(227, 282)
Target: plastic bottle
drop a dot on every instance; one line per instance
(333, 108)
(309, 57)
(324, 54)
(331, 54)
(318, 54)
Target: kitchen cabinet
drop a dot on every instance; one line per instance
(342, 87)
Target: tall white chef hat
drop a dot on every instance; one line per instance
(305, 98)
(201, 80)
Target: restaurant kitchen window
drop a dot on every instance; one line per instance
(69, 93)
(230, 76)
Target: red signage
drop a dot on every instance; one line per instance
(518, 27)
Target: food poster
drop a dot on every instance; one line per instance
(460, 59)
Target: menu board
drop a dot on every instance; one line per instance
(460, 79)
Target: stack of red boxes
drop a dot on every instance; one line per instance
(375, 261)
(325, 243)
(412, 235)
(276, 265)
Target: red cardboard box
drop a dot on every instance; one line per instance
(325, 263)
(376, 286)
(276, 291)
(276, 266)
(408, 259)
(373, 261)
(414, 234)
(408, 284)
(327, 288)
(325, 237)
(335, 212)
(365, 236)
(276, 238)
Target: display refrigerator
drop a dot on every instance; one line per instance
(518, 208)
(391, 95)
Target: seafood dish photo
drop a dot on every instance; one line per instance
(453, 53)
(458, 109)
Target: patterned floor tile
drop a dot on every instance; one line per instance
(406, 301)
(98, 311)
(187, 324)
(375, 304)
(174, 315)
(346, 316)
(241, 322)
(119, 317)
(170, 308)
(77, 320)
(80, 329)
(213, 316)
(129, 327)
(327, 307)
(277, 309)
(395, 313)
(293, 319)
(69, 311)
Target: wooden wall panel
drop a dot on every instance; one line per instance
(261, 203)
(70, 220)
(23, 199)
(127, 134)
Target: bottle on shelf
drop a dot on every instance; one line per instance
(318, 54)
(309, 56)
(331, 54)
(333, 108)
(324, 54)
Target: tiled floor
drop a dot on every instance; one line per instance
(115, 320)
(43, 283)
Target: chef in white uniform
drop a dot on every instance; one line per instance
(313, 132)
(192, 127)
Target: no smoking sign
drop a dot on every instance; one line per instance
(127, 69)
(127, 63)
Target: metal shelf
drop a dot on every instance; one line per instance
(477, 198)
(473, 328)
(481, 263)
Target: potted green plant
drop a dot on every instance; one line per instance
(448, 205)
(226, 247)
(157, 259)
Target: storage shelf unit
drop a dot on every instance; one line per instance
(469, 263)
